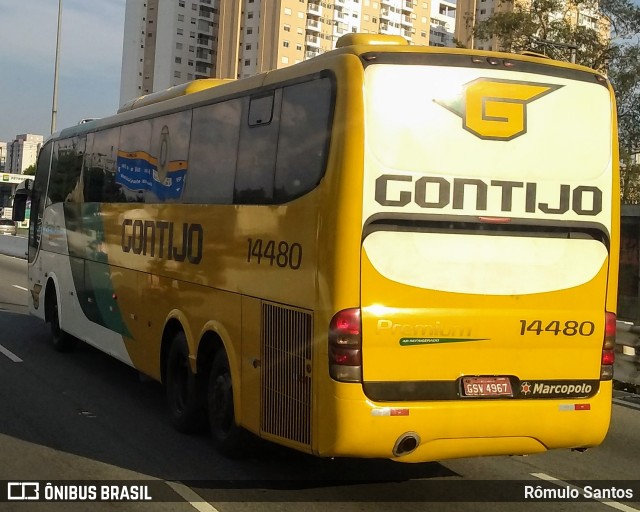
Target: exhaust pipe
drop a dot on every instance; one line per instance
(406, 444)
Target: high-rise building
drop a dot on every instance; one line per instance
(443, 22)
(3, 155)
(169, 42)
(22, 152)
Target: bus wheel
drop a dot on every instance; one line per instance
(228, 438)
(61, 340)
(183, 398)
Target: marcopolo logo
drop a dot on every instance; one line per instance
(495, 109)
(558, 389)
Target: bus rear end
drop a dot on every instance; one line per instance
(488, 260)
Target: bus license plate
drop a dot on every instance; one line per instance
(487, 386)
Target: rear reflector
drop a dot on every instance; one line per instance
(575, 407)
(495, 220)
(390, 411)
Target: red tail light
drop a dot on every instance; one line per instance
(608, 346)
(345, 346)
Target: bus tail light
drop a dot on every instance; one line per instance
(345, 346)
(608, 346)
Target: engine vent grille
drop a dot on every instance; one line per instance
(286, 372)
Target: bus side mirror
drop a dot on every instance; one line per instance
(23, 192)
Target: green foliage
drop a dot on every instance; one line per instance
(630, 183)
(549, 27)
(30, 171)
(612, 46)
(625, 77)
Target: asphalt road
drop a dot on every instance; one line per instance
(85, 416)
(13, 245)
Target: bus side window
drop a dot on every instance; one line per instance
(304, 138)
(99, 170)
(132, 176)
(215, 132)
(261, 110)
(38, 198)
(66, 168)
(170, 150)
(257, 151)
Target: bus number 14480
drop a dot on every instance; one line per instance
(280, 253)
(568, 328)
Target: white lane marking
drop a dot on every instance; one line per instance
(626, 404)
(192, 497)
(10, 354)
(20, 287)
(561, 483)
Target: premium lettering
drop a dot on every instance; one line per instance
(163, 239)
(436, 193)
(422, 330)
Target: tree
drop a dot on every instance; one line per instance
(544, 26)
(625, 77)
(624, 73)
(30, 171)
(607, 41)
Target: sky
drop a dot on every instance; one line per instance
(89, 69)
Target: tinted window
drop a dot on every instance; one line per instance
(66, 167)
(100, 168)
(261, 110)
(257, 157)
(169, 157)
(38, 198)
(134, 168)
(304, 136)
(213, 154)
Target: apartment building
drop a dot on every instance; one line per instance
(3, 155)
(22, 152)
(169, 42)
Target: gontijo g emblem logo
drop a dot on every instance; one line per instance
(495, 109)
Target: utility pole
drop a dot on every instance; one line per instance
(54, 108)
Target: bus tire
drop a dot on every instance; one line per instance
(228, 438)
(61, 340)
(184, 400)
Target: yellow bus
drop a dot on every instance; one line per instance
(385, 251)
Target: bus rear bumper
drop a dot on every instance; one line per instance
(464, 428)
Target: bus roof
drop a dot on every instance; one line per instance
(173, 92)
